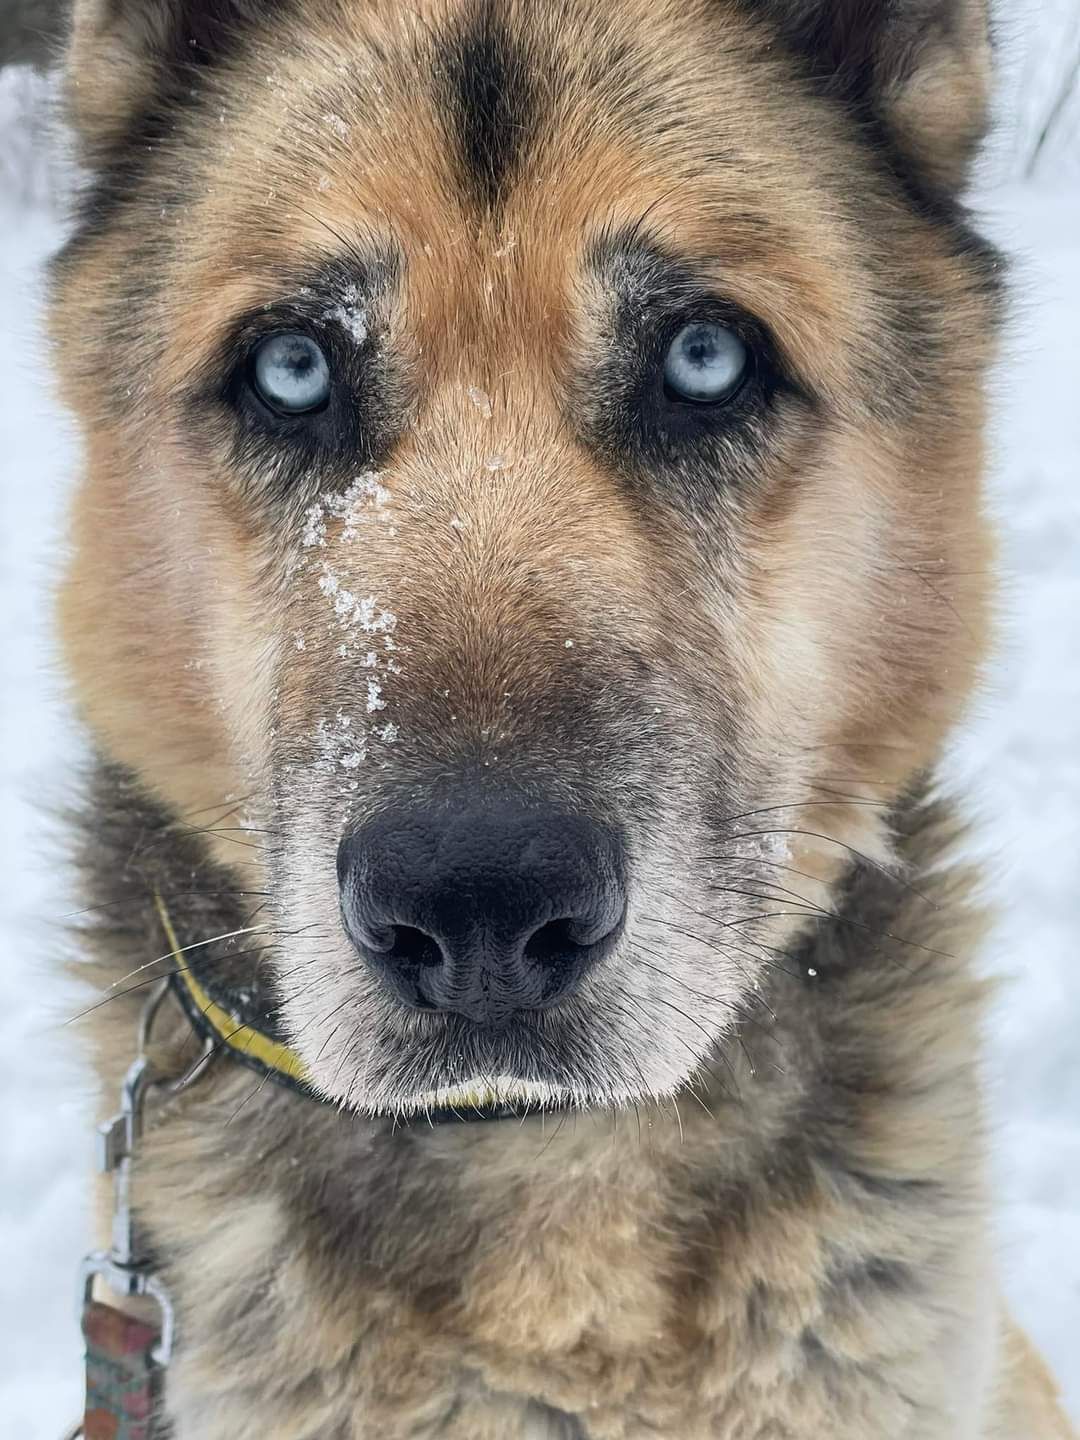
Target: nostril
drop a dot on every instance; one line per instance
(568, 941)
(410, 946)
(554, 943)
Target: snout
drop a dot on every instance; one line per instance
(485, 911)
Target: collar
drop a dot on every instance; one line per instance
(227, 1019)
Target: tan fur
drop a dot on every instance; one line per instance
(724, 1244)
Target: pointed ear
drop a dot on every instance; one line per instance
(130, 58)
(919, 69)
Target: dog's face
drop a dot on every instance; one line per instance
(533, 463)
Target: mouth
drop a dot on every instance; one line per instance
(502, 1097)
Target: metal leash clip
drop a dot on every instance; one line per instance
(126, 1267)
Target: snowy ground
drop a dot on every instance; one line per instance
(1020, 756)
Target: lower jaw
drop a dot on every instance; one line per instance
(445, 1115)
(482, 1100)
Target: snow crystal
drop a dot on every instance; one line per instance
(497, 462)
(340, 744)
(314, 532)
(351, 315)
(337, 125)
(481, 399)
(365, 497)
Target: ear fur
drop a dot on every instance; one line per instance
(921, 69)
(123, 55)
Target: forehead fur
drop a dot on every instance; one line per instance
(461, 131)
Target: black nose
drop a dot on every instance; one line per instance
(485, 911)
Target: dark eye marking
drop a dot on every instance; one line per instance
(307, 389)
(678, 387)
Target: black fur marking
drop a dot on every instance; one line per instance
(875, 1278)
(849, 44)
(183, 42)
(485, 86)
(133, 850)
(844, 49)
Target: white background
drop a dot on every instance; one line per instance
(1019, 758)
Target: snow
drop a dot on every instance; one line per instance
(46, 1120)
(351, 315)
(1019, 757)
(481, 399)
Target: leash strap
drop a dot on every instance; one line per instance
(125, 1356)
(123, 1380)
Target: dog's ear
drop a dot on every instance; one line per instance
(126, 58)
(920, 70)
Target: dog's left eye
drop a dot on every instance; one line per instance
(705, 364)
(291, 374)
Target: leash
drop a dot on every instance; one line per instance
(126, 1356)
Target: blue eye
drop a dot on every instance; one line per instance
(291, 374)
(705, 363)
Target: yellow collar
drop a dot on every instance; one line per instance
(223, 1026)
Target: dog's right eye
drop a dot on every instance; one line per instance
(705, 364)
(290, 373)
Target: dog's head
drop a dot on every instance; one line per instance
(532, 463)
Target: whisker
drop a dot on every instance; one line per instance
(248, 1099)
(172, 954)
(815, 835)
(173, 895)
(721, 947)
(700, 1061)
(858, 800)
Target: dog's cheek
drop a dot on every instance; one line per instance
(226, 600)
(137, 626)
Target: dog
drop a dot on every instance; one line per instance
(528, 560)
